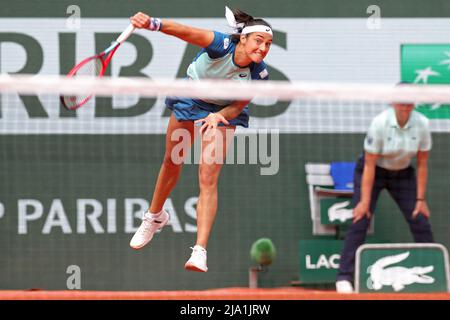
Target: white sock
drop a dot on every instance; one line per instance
(199, 247)
(155, 215)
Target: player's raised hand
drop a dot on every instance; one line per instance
(140, 20)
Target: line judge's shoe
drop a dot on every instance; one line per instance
(148, 228)
(197, 261)
(344, 286)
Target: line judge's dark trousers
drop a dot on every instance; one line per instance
(402, 186)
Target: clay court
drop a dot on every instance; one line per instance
(287, 293)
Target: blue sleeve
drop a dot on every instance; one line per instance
(259, 71)
(219, 46)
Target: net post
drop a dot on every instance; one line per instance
(253, 277)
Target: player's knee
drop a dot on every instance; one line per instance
(171, 163)
(208, 178)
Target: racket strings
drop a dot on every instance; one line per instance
(90, 68)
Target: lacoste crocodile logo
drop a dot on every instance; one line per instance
(397, 277)
(338, 212)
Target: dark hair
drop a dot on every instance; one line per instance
(248, 20)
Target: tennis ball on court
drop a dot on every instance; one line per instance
(263, 251)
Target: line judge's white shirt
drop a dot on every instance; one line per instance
(397, 146)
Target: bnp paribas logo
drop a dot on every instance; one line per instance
(427, 64)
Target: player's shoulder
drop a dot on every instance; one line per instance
(223, 40)
(221, 35)
(221, 45)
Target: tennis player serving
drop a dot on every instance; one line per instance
(237, 57)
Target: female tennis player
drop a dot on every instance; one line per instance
(237, 57)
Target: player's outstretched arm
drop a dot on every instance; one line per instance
(192, 35)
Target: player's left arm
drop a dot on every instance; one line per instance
(259, 72)
(227, 113)
(234, 109)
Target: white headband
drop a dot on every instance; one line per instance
(257, 28)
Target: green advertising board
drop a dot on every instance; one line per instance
(319, 260)
(402, 268)
(427, 64)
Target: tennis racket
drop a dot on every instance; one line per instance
(93, 66)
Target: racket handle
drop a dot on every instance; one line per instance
(124, 36)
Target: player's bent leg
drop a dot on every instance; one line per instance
(179, 138)
(154, 219)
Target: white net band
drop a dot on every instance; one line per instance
(220, 89)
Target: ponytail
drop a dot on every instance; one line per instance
(243, 20)
(242, 17)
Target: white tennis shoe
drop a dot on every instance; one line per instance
(344, 286)
(197, 261)
(148, 228)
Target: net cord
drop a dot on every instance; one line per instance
(222, 89)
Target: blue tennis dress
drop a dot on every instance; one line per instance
(216, 62)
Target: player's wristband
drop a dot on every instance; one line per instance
(155, 24)
(420, 199)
